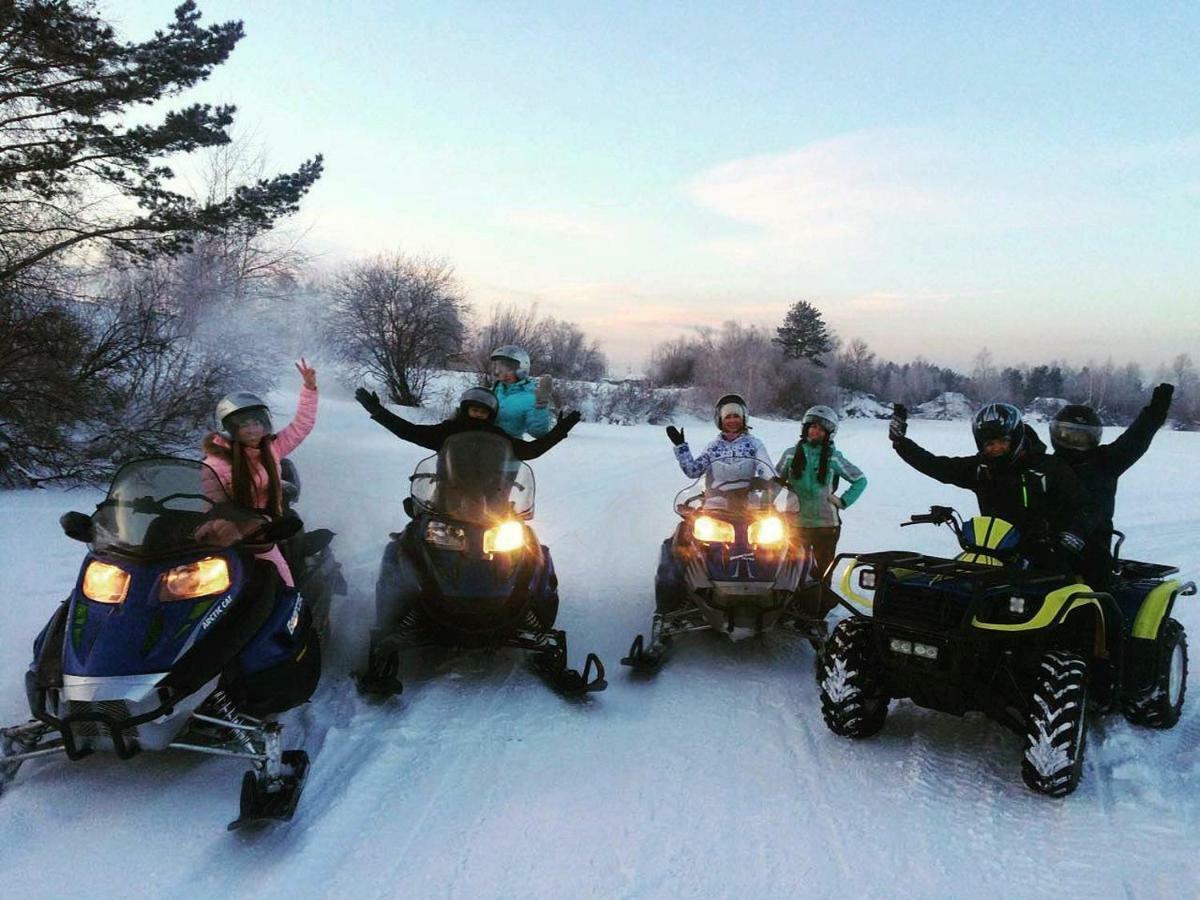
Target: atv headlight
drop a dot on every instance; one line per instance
(711, 530)
(443, 534)
(504, 538)
(105, 583)
(199, 579)
(767, 531)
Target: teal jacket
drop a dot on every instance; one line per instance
(816, 510)
(518, 414)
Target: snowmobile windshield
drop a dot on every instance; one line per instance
(155, 507)
(741, 485)
(474, 478)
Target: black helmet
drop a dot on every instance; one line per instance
(478, 396)
(731, 400)
(1076, 427)
(999, 420)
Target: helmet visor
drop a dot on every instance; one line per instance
(1074, 435)
(235, 421)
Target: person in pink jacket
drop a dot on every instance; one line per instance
(246, 458)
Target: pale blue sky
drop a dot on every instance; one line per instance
(935, 177)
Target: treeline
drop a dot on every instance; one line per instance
(785, 370)
(128, 306)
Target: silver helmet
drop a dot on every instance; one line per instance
(514, 354)
(242, 402)
(479, 396)
(823, 416)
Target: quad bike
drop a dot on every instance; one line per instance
(1034, 650)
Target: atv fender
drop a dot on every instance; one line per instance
(1074, 599)
(1154, 610)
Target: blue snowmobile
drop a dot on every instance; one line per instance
(731, 565)
(175, 636)
(468, 572)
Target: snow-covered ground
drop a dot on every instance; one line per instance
(716, 779)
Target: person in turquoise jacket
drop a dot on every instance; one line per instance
(524, 404)
(812, 471)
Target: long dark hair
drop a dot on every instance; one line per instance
(799, 461)
(242, 482)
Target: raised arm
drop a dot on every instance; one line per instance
(428, 436)
(526, 450)
(306, 413)
(1135, 441)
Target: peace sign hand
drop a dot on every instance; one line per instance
(308, 373)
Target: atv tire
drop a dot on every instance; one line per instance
(1056, 727)
(1160, 705)
(853, 700)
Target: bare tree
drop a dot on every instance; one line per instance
(569, 354)
(856, 366)
(394, 319)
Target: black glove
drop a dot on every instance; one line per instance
(675, 434)
(1160, 400)
(568, 421)
(899, 424)
(1073, 544)
(369, 400)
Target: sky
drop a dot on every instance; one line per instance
(934, 177)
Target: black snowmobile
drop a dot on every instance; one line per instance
(175, 636)
(1034, 650)
(731, 566)
(468, 572)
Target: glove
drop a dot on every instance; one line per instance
(566, 422)
(1072, 543)
(675, 434)
(369, 400)
(899, 424)
(1160, 400)
(837, 501)
(541, 395)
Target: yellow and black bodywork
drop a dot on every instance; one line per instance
(969, 633)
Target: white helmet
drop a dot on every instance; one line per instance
(242, 402)
(514, 354)
(823, 416)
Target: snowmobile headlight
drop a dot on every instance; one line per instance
(711, 530)
(105, 583)
(443, 534)
(504, 538)
(199, 579)
(767, 531)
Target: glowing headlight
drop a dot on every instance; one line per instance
(199, 579)
(767, 530)
(711, 530)
(105, 583)
(443, 534)
(504, 538)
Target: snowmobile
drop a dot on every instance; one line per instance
(731, 566)
(175, 636)
(468, 572)
(1034, 650)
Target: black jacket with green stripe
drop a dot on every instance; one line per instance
(1037, 493)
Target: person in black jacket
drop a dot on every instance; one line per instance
(1075, 435)
(1014, 479)
(477, 408)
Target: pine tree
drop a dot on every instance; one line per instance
(804, 335)
(72, 173)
